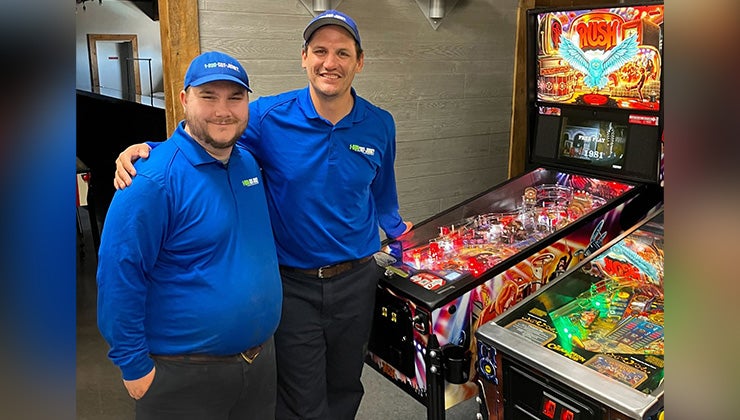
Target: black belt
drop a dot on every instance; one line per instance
(247, 355)
(329, 271)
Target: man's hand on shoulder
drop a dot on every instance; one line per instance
(125, 164)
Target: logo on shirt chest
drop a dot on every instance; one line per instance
(250, 182)
(361, 149)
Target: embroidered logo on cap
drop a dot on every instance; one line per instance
(223, 65)
(332, 15)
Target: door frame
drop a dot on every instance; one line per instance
(92, 40)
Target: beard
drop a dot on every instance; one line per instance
(220, 144)
(199, 131)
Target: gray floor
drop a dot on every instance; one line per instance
(101, 395)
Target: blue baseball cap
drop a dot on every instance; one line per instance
(215, 65)
(332, 17)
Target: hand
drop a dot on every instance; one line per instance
(138, 387)
(409, 225)
(125, 164)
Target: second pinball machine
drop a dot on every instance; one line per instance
(594, 170)
(588, 346)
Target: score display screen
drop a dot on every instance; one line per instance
(592, 142)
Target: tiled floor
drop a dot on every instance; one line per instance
(101, 395)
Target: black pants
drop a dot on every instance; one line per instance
(212, 391)
(321, 343)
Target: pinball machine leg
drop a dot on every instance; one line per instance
(435, 380)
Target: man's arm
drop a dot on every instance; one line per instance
(132, 238)
(125, 170)
(385, 194)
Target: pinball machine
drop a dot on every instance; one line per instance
(594, 170)
(587, 346)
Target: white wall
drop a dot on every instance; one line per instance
(119, 17)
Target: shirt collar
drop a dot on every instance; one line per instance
(356, 114)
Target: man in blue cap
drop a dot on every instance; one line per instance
(189, 292)
(327, 156)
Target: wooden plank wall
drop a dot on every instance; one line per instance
(450, 89)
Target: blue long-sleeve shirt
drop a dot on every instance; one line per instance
(329, 186)
(187, 260)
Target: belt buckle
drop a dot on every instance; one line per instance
(248, 359)
(321, 271)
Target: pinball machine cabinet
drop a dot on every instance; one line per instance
(467, 265)
(587, 346)
(594, 170)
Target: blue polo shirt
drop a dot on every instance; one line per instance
(187, 260)
(328, 186)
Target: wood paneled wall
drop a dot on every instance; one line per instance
(450, 89)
